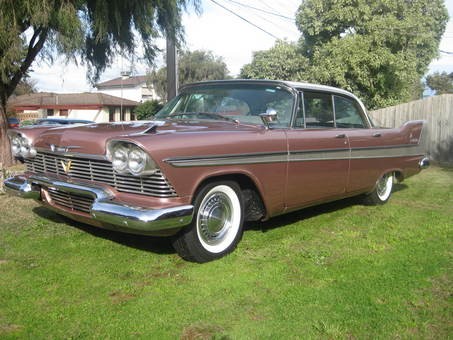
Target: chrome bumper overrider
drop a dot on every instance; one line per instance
(424, 163)
(104, 208)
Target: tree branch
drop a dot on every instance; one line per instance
(40, 34)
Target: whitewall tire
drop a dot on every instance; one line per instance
(216, 227)
(382, 190)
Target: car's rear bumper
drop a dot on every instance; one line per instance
(102, 208)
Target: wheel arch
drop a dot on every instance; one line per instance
(246, 181)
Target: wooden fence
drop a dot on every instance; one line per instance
(437, 111)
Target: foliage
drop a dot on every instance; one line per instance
(193, 66)
(440, 82)
(25, 86)
(376, 49)
(283, 61)
(90, 31)
(337, 271)
(148, 109)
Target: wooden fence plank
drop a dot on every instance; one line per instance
(437, 111)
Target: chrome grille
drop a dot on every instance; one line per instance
(71, 201)
(101, 171)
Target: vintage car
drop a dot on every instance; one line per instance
(218, 154)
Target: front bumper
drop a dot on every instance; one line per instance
(104, 210)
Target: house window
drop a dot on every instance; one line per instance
(50, 112)
(111, 114)
(63, 112)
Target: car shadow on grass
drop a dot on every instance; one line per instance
(162, 245)
(313, 211)
(158, 245)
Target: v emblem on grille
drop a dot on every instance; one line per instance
(66, 166)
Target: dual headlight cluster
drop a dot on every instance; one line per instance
(21, 146)
(129, 158)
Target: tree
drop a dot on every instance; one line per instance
(90, 31)
(25, 86)
(378, 49)
(440, 82)
(283, 61)
(147, 109)
(192, 66)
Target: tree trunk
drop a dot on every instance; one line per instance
(6, 158)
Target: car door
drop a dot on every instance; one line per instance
(318, 153)
(369, 146)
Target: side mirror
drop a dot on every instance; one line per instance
(269, 117)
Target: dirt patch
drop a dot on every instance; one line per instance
(8, 329)
(201, 332)
(120, 297)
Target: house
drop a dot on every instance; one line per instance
(133, 88)
(98, 107)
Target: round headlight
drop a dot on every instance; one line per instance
(21, 147)
(120, 158)
(137, 160)
(16, 142)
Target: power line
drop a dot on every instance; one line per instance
(247, 21)
(280, 25)
(262, 10)
(446, 52)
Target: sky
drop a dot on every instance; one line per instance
(222, 32)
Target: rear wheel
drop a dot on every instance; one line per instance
(382, 191)
(216, 227)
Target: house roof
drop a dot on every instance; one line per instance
(124, 82)
(87, 100)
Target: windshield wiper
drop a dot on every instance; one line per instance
(209, 114)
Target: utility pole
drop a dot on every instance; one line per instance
(172, 68)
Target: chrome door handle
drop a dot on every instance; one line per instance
(341, 135)
(377, 134)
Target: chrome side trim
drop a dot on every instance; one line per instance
(300, 156)
(229, 159)
(104, 208)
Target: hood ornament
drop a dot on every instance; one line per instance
(66, 166)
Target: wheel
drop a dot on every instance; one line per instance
(382, 191)
(216, 226)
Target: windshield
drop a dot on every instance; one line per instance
(243, 102)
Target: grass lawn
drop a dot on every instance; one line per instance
(341, 270)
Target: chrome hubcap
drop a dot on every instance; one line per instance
(384, 186)
(215, 218)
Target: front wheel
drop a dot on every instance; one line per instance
(382, 191)
(216, 227)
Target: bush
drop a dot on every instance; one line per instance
(147, 109)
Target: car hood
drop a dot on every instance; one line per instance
(92, 138)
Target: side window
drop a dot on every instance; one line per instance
(318, 110)
(348, 113)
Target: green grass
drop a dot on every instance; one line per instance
(341, 270)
